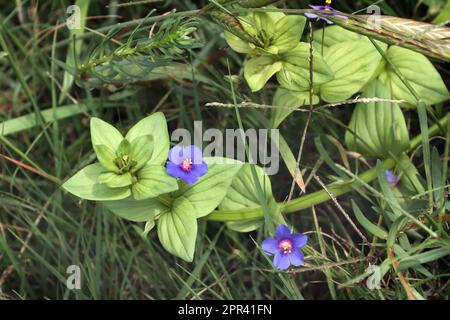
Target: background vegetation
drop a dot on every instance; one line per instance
(43, 230)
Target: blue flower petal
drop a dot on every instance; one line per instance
(270, 246)
(327, 21)
(194, 153)
(176, 155)
(317, 7)
(282, 232)
(339, 16)
(199, 169)
(281, 261)
(296, 257)
(174, 170)
(299, 240)
(391, 178)
(311, 15)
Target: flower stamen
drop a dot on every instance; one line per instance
(186, 165)
(286, 246)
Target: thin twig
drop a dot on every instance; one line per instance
(347, 217)
(254, 105)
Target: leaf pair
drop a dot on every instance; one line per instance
(130, 165)
(271, 33)
(177, 216)
(274, 36)
(377, 129)
(242, 194)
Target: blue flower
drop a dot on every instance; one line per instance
(286, 247)
(391, 178)
(186, 163)
(326, 7)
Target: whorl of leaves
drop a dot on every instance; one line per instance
(135, 60)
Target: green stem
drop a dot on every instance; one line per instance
(321, 196)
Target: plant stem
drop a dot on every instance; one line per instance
(321, 196)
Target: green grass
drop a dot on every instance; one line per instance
(44, 230)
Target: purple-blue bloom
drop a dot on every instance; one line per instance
(391, 178)
(326, 7)
(186, 163)
(286, 247)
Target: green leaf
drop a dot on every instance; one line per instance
(243, 194)
(113, 180)
(85, 184)
(102, 133)
(353, 64)
(236, 43)
(177, 229)
(288, 98)
(419, 72)
(155, 126)
(377, 129)
(152, 181)
(421, 258)
(208, 192)
(149, 225)
(288, 31)
(137, 211)
(124, 147)
(141, 151)
(257, 71)
(393, 202)
(106, 157)
(333, 35)
(295, 74)
(409, 182)
(367, 224)
(259, 26)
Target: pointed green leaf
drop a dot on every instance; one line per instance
(124, 147)
(333, 35)
(208, 192)
(419, 72)
(102, 133)
(237, 44)
(243, 194)
(177, 229)
(367, 224)
(424, 257)
(152, 181)
(353, 64)
(85, 184)
(137, 211)
(155, 126)
(295, 74)
(141, 151)
(106, 157)
(377, 129)
(257, 71)
(113, 180)
(409, 181)
(288, 98)
(288, 31)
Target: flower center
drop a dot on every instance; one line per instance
(186, 165)
(285, 245)
(124, 163)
